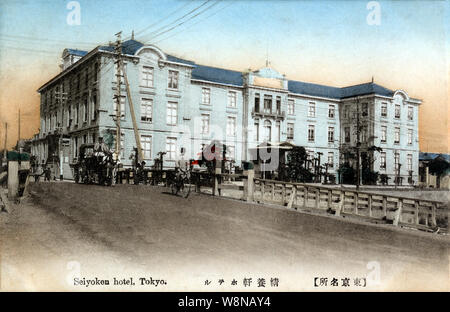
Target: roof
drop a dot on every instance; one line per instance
(76, 52)
(129, 47)
(218, 75)
(363, 89)
(313, 89)
(231, 77)
(430, 156)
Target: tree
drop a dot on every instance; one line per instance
(369, 177)
(347, 173)
(295, 165)
(437, 167)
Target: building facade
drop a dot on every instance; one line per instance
(179, 103)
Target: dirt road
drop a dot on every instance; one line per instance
(65, 232)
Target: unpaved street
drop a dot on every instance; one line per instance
(66, 231)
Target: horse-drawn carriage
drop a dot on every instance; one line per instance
(94, 166)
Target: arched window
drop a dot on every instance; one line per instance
(267, 130)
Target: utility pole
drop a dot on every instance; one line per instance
(61, 98)
(118, 50)
(18, 139)
(6, 138)
(358, 145)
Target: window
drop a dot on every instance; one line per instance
(312, 109)
(231, 99)
(278, 131)
(330, 134)
(291, 107)
(310, 155)
(205, 124)
(365, 109)
(347, 134)
(267, 130)
(278, 105)
(397, 135)
(267, 104)
(397, 162)
(290, 131)
(364, 135)
(409, 162)
(173, 79)
(230, 152)
(124, 69)
(410, 136)
(172, 113)
(231, 126)
(383, 160)
(346, 111)
(256, 125)
(171, 144)
(383, 134)
(330, 159)
(410, 113)
(94, 107)
(122, 108)
(146, 110)
(383, 109)
(146, 142)
(206, 96)
(147, 76)
(330, 111)
(311, 133)
(397, 111)
(95, 72)
(75, 113)
(69, 116)
(257, 103)
(85, 110)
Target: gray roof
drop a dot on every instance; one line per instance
(226, 76)
(218, 75)
(77, 52)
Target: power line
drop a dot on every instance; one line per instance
(190, 26)
(183, 22)
(178, 19)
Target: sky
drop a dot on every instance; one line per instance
(325, 42)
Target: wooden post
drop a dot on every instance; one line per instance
(317, 198)
(283, 194)
(272, 194)
(249, 185)
(433, 214)
(305, 196)
(341, 203)
(355, 200)
(369, 203)
(329, 203)
(416, 211)
(13, 179)
(292, 197)
(261, 183)
(398, 212)
(384, 206)
(216, 190)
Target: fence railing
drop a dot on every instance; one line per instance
(371, 206)
(400, 210)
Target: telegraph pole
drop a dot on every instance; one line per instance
(6, 138)
(358, 145)
(118, 50)
(61, 97)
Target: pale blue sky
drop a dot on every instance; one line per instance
(327, 42)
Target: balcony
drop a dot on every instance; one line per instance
(264, 113)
